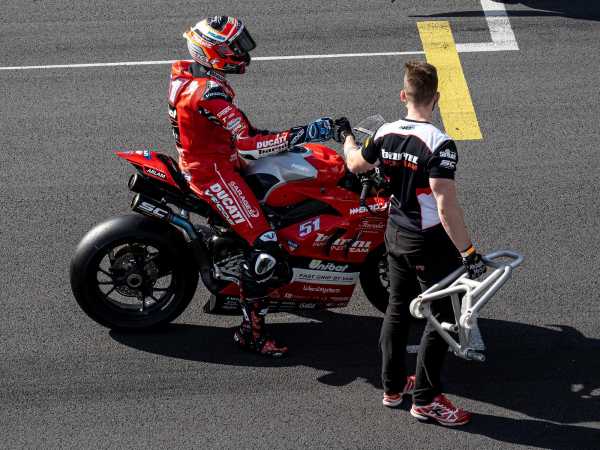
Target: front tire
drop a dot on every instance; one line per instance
(133, 273)
(374, 279)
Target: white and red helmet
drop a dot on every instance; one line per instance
(220, 43)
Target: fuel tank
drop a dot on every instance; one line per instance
(310, 166)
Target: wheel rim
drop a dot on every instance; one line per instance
(135, 278)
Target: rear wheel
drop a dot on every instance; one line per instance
(132, 278)
(374, 279)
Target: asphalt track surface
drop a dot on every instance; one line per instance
(530, 185)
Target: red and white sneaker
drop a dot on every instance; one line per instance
(442, 411)
(394, 400)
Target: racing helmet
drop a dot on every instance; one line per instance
(220, 43)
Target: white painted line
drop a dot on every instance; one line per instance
(77, 66)
(503, 38)
(257, 58)
(338, 55)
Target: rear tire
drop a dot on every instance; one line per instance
(374, 281)
(133, 273)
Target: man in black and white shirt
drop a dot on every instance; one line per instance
(425, 238)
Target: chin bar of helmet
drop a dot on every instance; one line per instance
(475, 295)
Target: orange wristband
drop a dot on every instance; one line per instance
(469, 251)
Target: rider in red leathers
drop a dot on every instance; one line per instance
(211, 135)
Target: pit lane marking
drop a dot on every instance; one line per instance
(503, 38)
(456, 106)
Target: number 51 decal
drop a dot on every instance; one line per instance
(304, 229)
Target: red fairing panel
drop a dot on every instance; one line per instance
(149, 164)
(326, 295)
(330, 166)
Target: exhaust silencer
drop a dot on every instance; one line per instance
(150, 207)
(141, 184)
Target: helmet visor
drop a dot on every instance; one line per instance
(243, 43)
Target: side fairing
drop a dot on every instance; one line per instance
(266, 174)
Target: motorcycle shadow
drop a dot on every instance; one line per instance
(344, 345)
(548, 373)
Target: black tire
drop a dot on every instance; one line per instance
(125, 243)
(373, 279)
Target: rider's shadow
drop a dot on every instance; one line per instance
(551, 374)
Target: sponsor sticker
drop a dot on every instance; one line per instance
(232, 124)
(269, 236)
(321, 289)
(321, 277)
(252, 212)
(396, 156)
(372, 226)
(268, 143)
(447, 153)
(448, 164)
(374, 207)
(304, 229)
(224, 203)
(318, 264)
(154, 210)
(156, 173)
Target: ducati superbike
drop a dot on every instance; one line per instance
(141, 269)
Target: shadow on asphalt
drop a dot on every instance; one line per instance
(575, 9)
(551, 374)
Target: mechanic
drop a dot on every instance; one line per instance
(425, 238)
(213, 137)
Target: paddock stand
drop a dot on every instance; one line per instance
(475, 295)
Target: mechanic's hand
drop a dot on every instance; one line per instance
(473, 262)
(319, 130)
(341, 129)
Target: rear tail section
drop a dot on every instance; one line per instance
(156, 166)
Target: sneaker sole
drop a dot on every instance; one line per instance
(422, 418)
(392, 404)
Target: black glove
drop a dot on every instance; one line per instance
(473, 263)
(341, 129)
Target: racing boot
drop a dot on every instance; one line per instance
(251, 334)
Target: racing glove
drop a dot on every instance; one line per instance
(341, 130)
(320, 130)
(473, 262)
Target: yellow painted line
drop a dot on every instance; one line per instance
(456, 107)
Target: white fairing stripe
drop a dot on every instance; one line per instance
(429, 211)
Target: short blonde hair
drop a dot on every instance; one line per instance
(420, 82)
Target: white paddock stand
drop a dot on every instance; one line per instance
(475, 295)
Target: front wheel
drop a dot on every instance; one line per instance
(374, 279)
(133, 273)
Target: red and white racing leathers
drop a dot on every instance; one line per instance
(211, 134)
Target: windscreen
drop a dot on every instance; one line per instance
(368, 127)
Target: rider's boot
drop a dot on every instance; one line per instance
(256, 279)
(252, 336)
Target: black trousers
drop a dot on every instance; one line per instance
(415, 263)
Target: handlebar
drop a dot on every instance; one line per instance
(490, 257)
(366, 187)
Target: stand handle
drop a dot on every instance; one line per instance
(490, 257)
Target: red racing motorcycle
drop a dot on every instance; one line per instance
(141, 270)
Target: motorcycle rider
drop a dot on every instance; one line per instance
(214, 138)
(425, 238)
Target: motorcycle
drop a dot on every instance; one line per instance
(141, 270)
